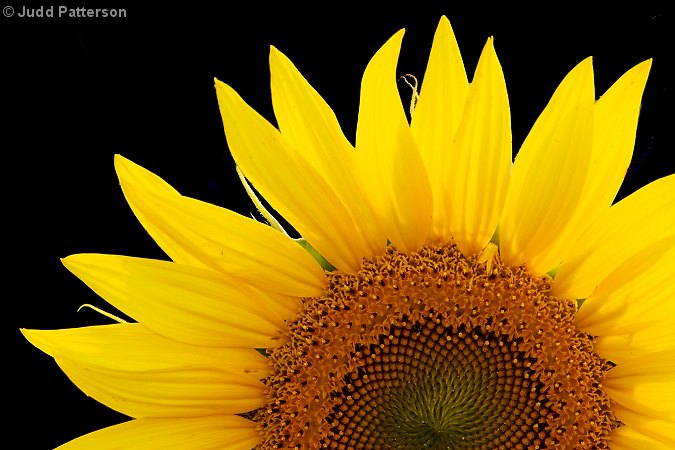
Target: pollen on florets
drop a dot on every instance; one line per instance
(431, 350)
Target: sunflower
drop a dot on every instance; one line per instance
(440, 295)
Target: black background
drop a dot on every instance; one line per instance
(77, 91)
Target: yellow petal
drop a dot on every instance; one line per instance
(627, 438)
(311, 129)
(188, 304)
(200, 234)
(615, 122)
(437, 116)
(620, 348)
(659, 430)
(194, 433)
(391, 166)
(549, 171)
(615, 118)
(288, 182)
(638, 221)
(133, 347)
(638, 294)
(645, 384)
(171, 392)
(478, 174)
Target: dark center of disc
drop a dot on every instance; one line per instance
(427, 386)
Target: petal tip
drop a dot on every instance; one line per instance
(276, 57)
(397, 37)
(587, 62)
(72, 262)
(644, 67)
(121, 162)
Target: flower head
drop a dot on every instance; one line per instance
(440, 296)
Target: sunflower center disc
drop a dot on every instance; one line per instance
(429, 350)
(428, 386)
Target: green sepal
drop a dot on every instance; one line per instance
(317, 256)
